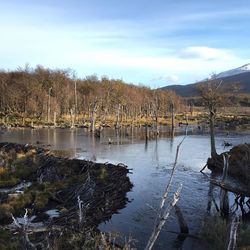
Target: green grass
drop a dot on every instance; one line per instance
(214, 232)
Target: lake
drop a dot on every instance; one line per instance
(151, 164)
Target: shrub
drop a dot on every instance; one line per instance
(5, 211)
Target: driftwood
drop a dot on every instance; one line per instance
(22, 228)
(162, 221)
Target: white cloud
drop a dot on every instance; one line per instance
(205, 53)
(166, 79)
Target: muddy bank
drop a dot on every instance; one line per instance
(82, 193)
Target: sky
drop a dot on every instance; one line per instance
(155, 43)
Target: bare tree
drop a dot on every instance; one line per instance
(172, 105)
(93, 114)
(49, 103)
(213, 97)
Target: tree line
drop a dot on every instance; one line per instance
(49, 95)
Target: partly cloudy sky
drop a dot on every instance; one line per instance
(155, 43)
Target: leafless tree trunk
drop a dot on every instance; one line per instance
(155, 112)
(172, 115)
(54, 119)
(105, 114)
(76, 104)
(212, 137)
(93, 116)
(146, 127)
(48, 118)
(117, 124)
(213, 98)
(191, 109)
(72, 116)
(186, 116)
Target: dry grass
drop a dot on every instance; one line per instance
(3, 171)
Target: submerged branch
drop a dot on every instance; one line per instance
(183, 224)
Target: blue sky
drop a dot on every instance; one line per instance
(155, 43)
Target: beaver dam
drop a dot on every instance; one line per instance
(238, 169)
(47, 199)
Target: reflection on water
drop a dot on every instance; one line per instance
(151, 162)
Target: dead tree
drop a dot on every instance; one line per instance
(117, 124)
(93, 115)
(49, 104)
(172, 115)
(72, 116)
(146, 126)
(155, 111)
(213, 97)
(172, 104)
(76, 103)
(54, 119)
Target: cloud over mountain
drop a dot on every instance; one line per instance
(166, 79)
(205, 53)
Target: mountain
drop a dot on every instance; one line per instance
(239, 76)
(243, 69)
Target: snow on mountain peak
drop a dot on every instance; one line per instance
(242, 69)
(246, 67)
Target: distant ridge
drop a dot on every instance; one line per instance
(243, 69)
(239, 76)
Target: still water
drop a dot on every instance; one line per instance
(151, 165)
